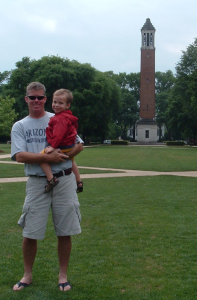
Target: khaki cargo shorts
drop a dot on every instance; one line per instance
(63, 202)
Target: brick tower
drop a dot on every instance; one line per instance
(146, 126)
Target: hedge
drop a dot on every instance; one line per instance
(175, 143)
(114, 142)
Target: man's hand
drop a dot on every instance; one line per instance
(57, 156)
(37, 158)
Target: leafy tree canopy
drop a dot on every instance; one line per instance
(7, 115)
(164, 82)
(183, 105)
(96, 95)
(130, 95)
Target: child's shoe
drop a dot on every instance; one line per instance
(50, 184)
(79, 186)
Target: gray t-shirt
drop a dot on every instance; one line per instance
(28, 135)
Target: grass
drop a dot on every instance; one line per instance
(5, 148)
(138, 240)
(12, 170)
(164, 159)
(17, 170)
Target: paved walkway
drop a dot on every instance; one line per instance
(118, 173)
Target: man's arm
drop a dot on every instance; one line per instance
(76, 150)
(54, 157)
(37, 158)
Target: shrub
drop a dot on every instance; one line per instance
(175, 143)
(116, 142)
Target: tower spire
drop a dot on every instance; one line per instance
(148, 35)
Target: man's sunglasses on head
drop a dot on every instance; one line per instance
(36, 97)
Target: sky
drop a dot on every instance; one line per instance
(103, 33)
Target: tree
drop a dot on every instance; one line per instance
(16, 85)
(96, 96)
(4, 76)
(130, 94)
(96, 106)
(128, 112)
(183, 107)
(53, 71)
(164, 82)
(7, 115)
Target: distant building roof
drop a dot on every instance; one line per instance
(148, 25)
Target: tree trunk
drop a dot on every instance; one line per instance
(134, 132)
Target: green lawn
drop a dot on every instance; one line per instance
(146, 158)
(5, 148)
(14, 170)
(138, 241)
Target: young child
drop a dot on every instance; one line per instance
(61, 133)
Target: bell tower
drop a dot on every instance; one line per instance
(146, 126)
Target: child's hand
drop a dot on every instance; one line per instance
(49, 149)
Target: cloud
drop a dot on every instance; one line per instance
(104, 33)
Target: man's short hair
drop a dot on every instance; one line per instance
(35, 86)
(67, 93)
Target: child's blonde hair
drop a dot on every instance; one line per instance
(67, 93)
